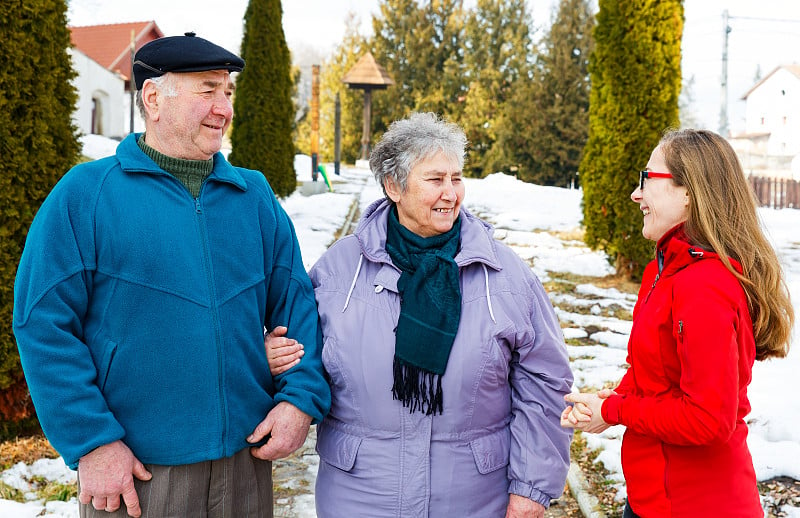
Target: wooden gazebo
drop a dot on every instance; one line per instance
(367, 75)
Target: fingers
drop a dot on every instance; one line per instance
(131, 501)
(278, 331)
(99, 503)
(280, 356)
(140, 472)
(565, 421)
(582, 412)
(274, 449)
(282, 353)
(263, 429)
(606, 393)
(266, 452)
(112, 504)
(84, 497)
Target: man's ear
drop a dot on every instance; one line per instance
(150, 99)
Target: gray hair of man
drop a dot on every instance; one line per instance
(165, 86)
(412, 140)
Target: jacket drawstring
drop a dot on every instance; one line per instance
(353, 284)
(358, 270)
(488, 296)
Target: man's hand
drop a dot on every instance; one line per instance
(521, 507)
(282, 353)
(287, 427)
(106, 474)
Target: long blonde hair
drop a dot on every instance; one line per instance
(723, 218)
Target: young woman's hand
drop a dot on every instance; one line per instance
(585, 412)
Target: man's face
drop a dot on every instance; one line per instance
(191, 123)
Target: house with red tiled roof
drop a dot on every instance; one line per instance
(771, 140)
(110, 45)
(101, 56)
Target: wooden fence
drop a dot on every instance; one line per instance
(777, 193)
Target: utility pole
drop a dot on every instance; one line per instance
(131, 82)
(723, 109)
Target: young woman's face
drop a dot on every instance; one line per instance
(663, 203)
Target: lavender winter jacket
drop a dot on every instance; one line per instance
(503, 389)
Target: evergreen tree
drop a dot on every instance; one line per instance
(262, 130)
(636, 80)
(39, 142)
(498, 55)
(421, 49)
(548, 117)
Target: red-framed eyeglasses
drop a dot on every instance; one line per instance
(644, 175)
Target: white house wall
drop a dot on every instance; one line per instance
(774, 107)
(94, 81)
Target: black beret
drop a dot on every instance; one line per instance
(186, 53)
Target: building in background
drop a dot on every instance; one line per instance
(101, 56)
(770, 144)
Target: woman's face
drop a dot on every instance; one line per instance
(663, 203)
(429, 206)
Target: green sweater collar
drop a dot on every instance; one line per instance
(191, 173)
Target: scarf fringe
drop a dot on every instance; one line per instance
(418, 389)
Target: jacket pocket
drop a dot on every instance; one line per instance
(337, 448)
(104, 368)
(491, 452)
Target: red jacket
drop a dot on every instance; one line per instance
(684, 397)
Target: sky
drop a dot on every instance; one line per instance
(759, 36)
(533, 220)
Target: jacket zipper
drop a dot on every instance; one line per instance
(214, 317)
(660, 258)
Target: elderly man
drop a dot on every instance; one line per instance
(141, 298)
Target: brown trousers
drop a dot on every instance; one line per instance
(234, 487)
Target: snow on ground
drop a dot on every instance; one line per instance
(537, 222)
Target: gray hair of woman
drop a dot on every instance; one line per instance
(409, 141)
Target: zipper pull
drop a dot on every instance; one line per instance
(680, 327)
(655, 281)
(197, 208)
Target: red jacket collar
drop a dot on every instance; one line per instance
(674, 252)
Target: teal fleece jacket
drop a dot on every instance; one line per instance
(139, 311)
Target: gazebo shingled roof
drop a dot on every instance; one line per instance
(367, 74)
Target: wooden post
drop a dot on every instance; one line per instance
(337, 138)
(314, 121)
(365, 138)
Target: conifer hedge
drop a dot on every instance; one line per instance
(39, 143)
(636, 79)
(261, 137)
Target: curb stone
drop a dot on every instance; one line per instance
(588, 503)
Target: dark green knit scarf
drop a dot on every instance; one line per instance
(430, 309)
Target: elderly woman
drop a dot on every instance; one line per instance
(446, 362)
(713, 301)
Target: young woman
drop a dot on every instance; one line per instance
(713, 301)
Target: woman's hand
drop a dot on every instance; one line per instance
(282, 353)
(521, 507)
(586, 413)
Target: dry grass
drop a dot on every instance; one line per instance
(25, 449)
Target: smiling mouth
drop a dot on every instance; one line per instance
(646, 212)
(443, 211)
(214, 126)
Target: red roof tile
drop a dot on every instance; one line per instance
(110, 45)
